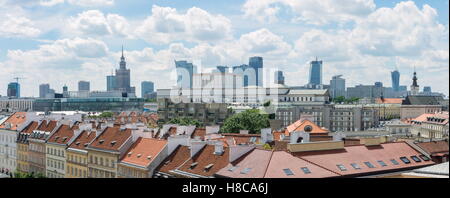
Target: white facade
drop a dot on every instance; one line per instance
(8, 150)
(14, 105)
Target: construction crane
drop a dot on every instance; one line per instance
(18, 78)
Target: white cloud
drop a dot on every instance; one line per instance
(309, 11)
(166, 25)
(50, 3)
(404, 30)
(17, 26)
(95, 23)
(91, 3)
(264, 42)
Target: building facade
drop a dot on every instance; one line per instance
(337, 87)
(77, 155)
(147, 87)
(315, 72)
(84, 86)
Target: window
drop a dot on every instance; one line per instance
(405, 160)
(288, 172)
(424, 158)
(232, 168)
(415, 158)
(246, 170)
(341, 167)
(306, 170)
(394, 162)
(381, 163)
(368, 164)
(355, 166)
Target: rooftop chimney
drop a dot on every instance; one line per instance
(218, 148)
(243, 132)
(298, 137)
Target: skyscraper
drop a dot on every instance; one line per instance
(44, 89)
(279, 77)
(427, 89)
(257, 64)
(395, 75)
(122, 78)
(337, 86)
(110, 83)
(315, 73)
(84, 86)
(185, 72)
(222, 69)
(147, 87)
(13, 90)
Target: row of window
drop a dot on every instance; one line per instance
(102, 161)
(405, 160)
(56, 152)
(76, 172)
(55, 164)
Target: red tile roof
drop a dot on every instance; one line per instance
(204, 158)
(63, 134)
(111, 139)
(389, 101)
(199, 132)
(83, 139)
(14, 120)
(360, 154)
(30, 127)
(47, 126)
(283, 160)
(255, 163)
(300, 125)
(434, 147)
(180, 155)
(144, 151)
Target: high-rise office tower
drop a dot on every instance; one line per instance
(44, 89)
(315, 73)
(395, 75)
(427, 89)
(84, 86)
(222, 69)
(13, 90)
(185, 72)
(257, 64)
(279, 77)
(110, 83)
(147, 87)
(378, 84)
(337, 86)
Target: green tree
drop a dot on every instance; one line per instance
(339, 99)
(185, 121)
(251, 120)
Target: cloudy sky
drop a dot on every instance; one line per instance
(64, 41)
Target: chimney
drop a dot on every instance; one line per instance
(243, 132)
(266, 135)
(212, 129)
(218, 148)
(338, 136)
(196, 146)
(298, 137)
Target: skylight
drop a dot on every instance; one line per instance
(424, 157)
(394, 162)
(306, 170)
(355, 166)
(232, 168)
(381, 163)
(368, 164)
(405, 160)
(416, 159)
(341, 167)
(288, 172)
(246, 170)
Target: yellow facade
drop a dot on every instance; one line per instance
(125, 171)
(22, 158)
(102, 164)
(77, 164)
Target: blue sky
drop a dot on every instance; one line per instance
(64, 41)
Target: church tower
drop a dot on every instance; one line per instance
(414, 86)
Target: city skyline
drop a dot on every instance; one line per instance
(87, 45)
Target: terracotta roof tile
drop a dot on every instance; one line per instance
(63, 134)
(389, 101)
(175, 159)
(111, 139)
(434, 146)
(199, 132)
(30, 127)
(14, 120)
(144, 151)
(47, 126)
(84, 138)
(204, 158)
(251, 165)
(300, 125)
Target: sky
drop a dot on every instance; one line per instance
(61, 42)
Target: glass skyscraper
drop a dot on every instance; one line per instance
(110, 83)
(279, 77)
(14, 90)
(185, 72)
(395, 80)
(44, 89)
(147, 87)
(84, 86)
(337, 86)
(315, 73)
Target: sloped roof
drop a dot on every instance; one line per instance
(422, 100)
(111, 139)
(14, 120)
(300, 125)
(434, 147)
(63, 134)
(144, 151)
(255, 162)
(82, 140)
(204, 158)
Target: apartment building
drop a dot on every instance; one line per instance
(106, 150)
(8, 145)
(142, 158)
(36, 149)
(77, 155)
(431, 125)
(56, 146)
(23, 164)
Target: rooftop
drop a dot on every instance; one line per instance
(14, 121)
(305, 125)
(111, 139)
(83, 139)
(63, 134)
(206, 162)
(144, 151)
(180, 155)
(434, 147)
